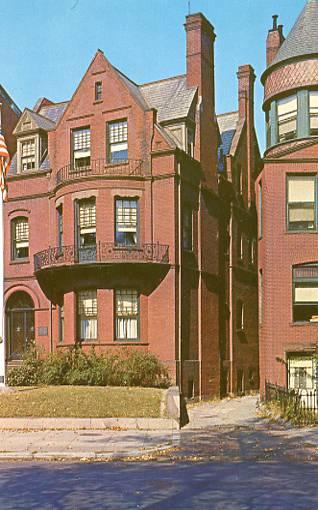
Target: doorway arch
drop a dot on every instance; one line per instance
(20, 330)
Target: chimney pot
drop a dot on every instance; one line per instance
(275, 18)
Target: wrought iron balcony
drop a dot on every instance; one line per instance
(101, 253)
(102, 167)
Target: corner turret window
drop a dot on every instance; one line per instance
(87, 315)
(301, 206)
(81, 143)
(287, 118)
(313, 112)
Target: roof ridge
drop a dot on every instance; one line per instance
(227, 113)
(162, 80)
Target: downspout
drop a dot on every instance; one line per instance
(179, 277)
(200, 295)
(231, 301)
(51, 327)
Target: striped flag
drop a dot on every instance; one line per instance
(4, 166)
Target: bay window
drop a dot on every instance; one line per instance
(81, 147)
(127, 314)
(87, 315)
(301, 203)
(117, 136)
(305, 293)
(126, 222)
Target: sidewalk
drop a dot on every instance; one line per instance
(81, 439)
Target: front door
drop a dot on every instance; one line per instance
(20, 324)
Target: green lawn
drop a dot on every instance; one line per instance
(81, 402)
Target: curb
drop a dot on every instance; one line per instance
(88, 424)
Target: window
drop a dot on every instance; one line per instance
(127, 314)
(87, 223)
(126, 222)
(81, 147)
(313, 112)
(190, 148)
(117, 141)
(87, 314)
(20, 238)
(287, 118)
(305, 293)
(98, 90)
(300, 372)
(301, 203)
(239, 315)
(187, 227)
(61, 322)
(59, 211)
(260, 211)
(28, 155)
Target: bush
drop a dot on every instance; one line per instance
(75, 367)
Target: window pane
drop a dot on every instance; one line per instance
(301, 190)
(126, 222)
(305, 294)
(286, 105)
(118, 141)
(82, 139)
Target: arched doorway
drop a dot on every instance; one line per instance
(19, 324)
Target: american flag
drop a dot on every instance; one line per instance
(4, 166)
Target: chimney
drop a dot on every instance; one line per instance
(200, 73)
(246, 79)
(274, 40)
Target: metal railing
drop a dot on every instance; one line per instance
(100, 167)
(301, 403)
(101, 252)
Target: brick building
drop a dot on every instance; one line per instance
(287, 206)
(114, 219)
(239, 165)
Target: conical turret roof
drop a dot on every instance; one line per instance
(303, 37)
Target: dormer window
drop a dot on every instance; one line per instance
(81, 142)
(28, 155)
(287, 118)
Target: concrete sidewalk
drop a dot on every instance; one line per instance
(81, 439)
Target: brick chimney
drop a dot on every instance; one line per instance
(274, 40)
(246, 79)
(200, 73)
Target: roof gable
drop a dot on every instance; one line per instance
(31, 121)
(303, 37)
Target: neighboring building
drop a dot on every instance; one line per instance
(239, 164)
(112, 219)
(288, 206)
(10, 114)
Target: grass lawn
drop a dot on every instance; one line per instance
(81, 402)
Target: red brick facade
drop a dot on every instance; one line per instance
(170, 171)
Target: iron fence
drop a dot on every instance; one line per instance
(300, 403)
(100, 167)
(101, 252)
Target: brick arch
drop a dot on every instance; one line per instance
(21, 288)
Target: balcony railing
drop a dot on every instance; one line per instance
(100, 167)
(101, 253)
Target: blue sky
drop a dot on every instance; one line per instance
(46, 45)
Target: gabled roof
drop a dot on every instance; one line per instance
(171, 97)
(36, 121)
(303, 37)
(227, 125)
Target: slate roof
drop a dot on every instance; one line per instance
(54, 112)
(303, 37)
(41, 121)
(171, 97)
(227, 125)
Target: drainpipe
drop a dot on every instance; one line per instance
(200, 296)
(231, 302)
(51, 328)
(179, 276)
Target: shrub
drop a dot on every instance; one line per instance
(75, 367)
